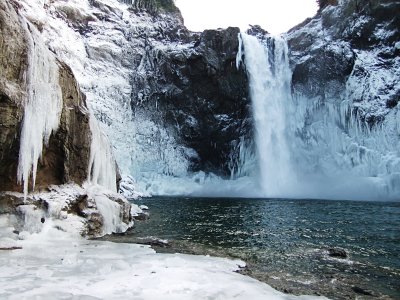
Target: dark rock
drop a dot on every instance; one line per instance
(325, 72)
(13, 61)
(348, 42)
(154, 242)
(257, 31)
(142, 217)
(338, 253)
(361, 291)
(200, 96)
(9, 203)
(10, 248)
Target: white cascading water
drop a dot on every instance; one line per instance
(312, 148)
(43, 106)
(269, 77)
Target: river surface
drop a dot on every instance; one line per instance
(286, 242)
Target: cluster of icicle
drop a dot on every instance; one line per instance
(43, 106)
(102, 167)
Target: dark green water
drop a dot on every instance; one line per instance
(285, 242)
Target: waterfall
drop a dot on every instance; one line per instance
(315, 148)
(269, 75)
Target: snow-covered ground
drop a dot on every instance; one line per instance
(54, 265)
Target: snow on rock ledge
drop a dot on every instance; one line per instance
(90, 211)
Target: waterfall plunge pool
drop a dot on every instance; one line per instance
(285, 242)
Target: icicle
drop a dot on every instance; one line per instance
(240, 51)
(102, 167)
(43, 107)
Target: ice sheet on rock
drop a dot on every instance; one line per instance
(51, 265)
(128, 188)
(57, 206)
(110, 210)
(102, 165)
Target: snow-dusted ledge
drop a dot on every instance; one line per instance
(90, 210)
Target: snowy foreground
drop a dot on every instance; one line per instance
(54, 265)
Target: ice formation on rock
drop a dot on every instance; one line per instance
(43, 106)
(102, 165)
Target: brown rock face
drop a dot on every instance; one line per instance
(13, 61)
(66, 158)
(67, 155)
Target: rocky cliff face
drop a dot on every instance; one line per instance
(346, 85)
(170, 101)
(74, 151)
(197, 93)
(351, 46)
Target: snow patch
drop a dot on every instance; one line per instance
(52, 265)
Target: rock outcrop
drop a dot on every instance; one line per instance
(199, 94)
(350, 47)
(89, 212)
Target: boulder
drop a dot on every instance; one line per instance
(338, 253)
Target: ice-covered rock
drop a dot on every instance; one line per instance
(89, 211)
(158, 90)
(44, 127)
(50, 137)
(348, 51)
